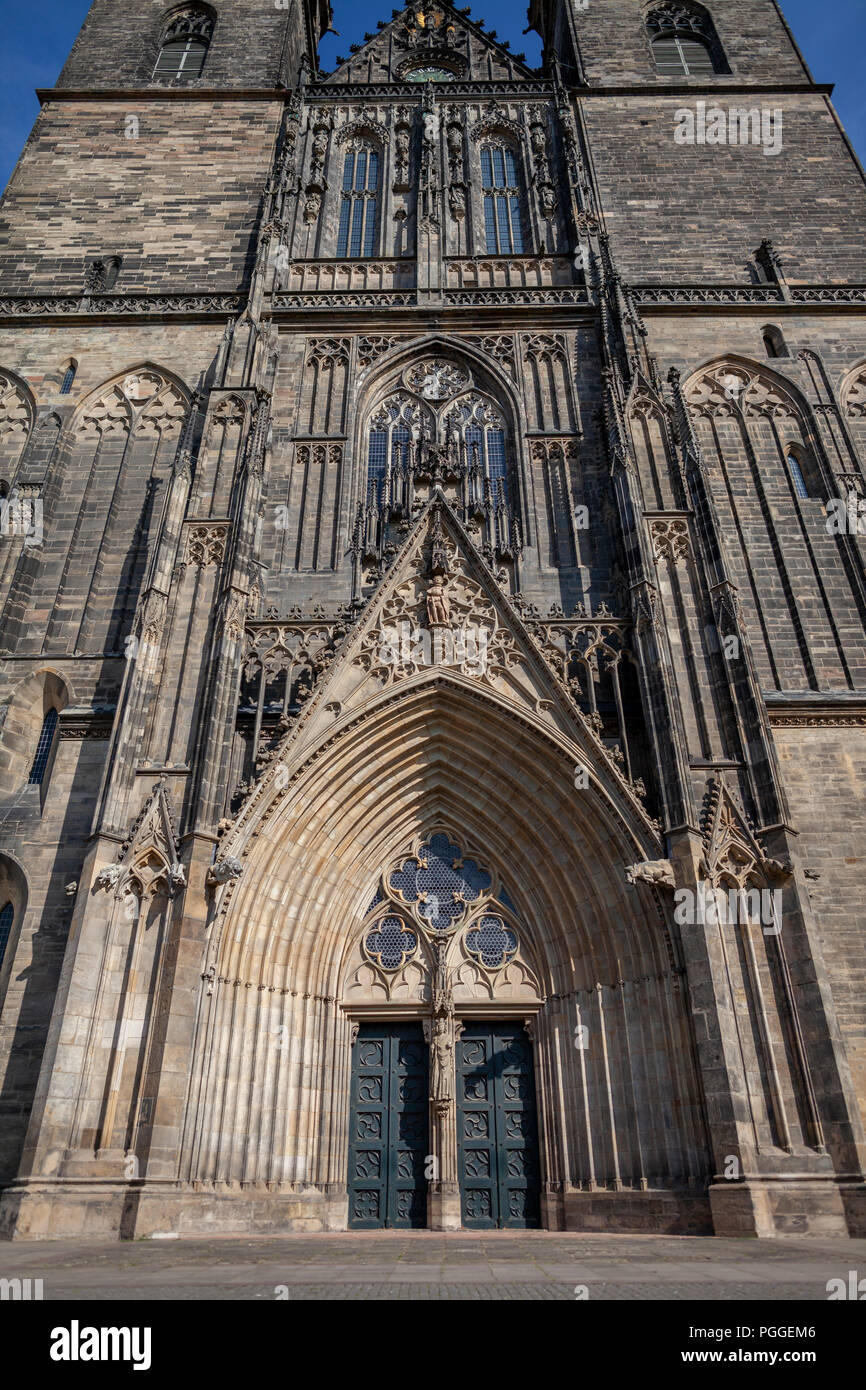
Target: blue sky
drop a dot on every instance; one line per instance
(39, 34)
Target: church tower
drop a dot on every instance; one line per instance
(432, 576)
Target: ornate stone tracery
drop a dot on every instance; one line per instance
(739, 387)
(16, 414)
(435, 379)
(140, 401)
(670, 538)
(854, 395)
(437, 914)
(437, 429)
(206, 543)
(191, 21)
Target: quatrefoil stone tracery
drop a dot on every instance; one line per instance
(391, 942)
(442, 887)
(491, 942)
(441, 881)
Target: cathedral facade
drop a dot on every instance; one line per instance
(432, 598)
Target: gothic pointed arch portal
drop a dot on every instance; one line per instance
(574, 948)
(319, 927)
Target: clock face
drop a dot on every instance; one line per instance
(429, 75)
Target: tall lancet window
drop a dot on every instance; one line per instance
(7, 917)
(392, 429)
(476, 426)
(360, 202)
(43, 748)
(503, 229)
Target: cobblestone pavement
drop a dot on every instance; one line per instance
(427, 1265)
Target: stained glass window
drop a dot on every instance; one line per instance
(797, 476)
(477, 421)
(389, 441)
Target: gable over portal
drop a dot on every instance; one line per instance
(431, 42)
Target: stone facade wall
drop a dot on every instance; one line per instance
(823, 770)
(723, 200)
(616, 51)
(237, 762)
(119, 195)
(252, 46)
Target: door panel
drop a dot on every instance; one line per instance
(388, 1127)
(497, 1134)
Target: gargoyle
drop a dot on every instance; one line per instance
(659, 872)
(777, 868)
(107, 877)
(224, 870)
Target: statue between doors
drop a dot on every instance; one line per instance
(444, 1034)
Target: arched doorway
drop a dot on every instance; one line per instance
(442, 936)
(420, 851)
(293, 977)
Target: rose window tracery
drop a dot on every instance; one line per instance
(439, 923)
(436, 380)
(439, 891)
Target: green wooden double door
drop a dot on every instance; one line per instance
(389, 1136)
(389, 1127)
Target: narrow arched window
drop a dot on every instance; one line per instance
(43, 748)
(797, 477)
(684, 41)
(184, 45)
(68, 378)
(503, 229)
(377, 463)
(774, 343)
(359, 202)
(478, 428)
(7, 916)
(390, 440)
